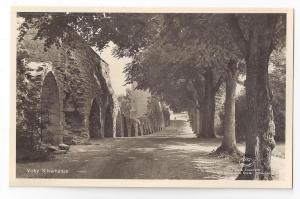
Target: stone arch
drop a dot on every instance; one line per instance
(50, 110)
(94, 120)
(119, 125)
(108, 124)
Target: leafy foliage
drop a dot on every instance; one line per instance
(277, 81)
(174, 65)
(125, 102)
(28, 111)
(129, 32)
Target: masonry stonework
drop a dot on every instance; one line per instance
(76, 99)
(76, 96)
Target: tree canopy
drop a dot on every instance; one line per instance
(182, 58)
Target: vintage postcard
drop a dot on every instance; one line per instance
(160, 97)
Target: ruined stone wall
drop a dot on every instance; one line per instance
(77, 101)
(82, 79)
(150, 114)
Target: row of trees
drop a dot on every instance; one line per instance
(184, 58)
(196, 53)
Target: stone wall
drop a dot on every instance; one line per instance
(149, 114)
(148, 111)
(76, 96)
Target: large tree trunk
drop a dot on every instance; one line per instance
(261, 128)
(229, 141)
(196, 122)
(196, 94)
(266, 124)
(208, 118)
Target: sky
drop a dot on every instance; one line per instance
(116, 67)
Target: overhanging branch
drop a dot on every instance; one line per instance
(237, 33)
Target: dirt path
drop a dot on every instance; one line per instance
(174, 153)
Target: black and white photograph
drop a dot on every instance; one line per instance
(152, 97)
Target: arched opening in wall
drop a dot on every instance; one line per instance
(108, 125)
(119, 122)
(50, 110)
(145, 129)
(73, 120)
(125, 126)
(152, 128)
(132, 133)
(139, 129)
(94, 120)
(149, 129)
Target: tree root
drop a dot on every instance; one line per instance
(223, 151)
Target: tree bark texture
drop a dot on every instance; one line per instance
(208, 129)
(261, 127)
(229, 141)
